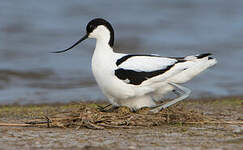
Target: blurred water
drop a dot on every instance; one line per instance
(30, 29)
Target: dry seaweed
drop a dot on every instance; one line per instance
(91, 117)
(88, 115)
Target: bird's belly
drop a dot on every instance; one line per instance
(110, 85)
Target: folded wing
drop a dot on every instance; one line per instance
(135, 69)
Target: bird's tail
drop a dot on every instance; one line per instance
(195, 65)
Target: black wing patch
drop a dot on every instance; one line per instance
(135, 77)
(203, 55)
(124, 58)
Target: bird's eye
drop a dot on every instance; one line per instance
(92, 27)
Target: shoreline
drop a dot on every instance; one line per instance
(105, 101)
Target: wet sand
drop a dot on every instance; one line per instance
(168, 135)
(164, 137)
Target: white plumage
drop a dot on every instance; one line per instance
(139, 81)
(146, 63)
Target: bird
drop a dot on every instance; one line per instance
(139, 80)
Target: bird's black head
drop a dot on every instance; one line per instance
(93, 24)
(90, 29)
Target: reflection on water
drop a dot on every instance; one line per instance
(30, 29)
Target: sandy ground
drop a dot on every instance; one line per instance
(164, 136)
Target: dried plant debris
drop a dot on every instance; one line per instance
(93, 116)
(90, 116)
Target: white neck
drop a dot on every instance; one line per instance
(102, 56)
(102, 44)
(102, 36)
(103, 39)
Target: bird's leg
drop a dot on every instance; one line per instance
(177, 93)
(181, 91)
(103, 108)
(106, 109)
(112, 109)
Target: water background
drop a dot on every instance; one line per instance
(30, 29)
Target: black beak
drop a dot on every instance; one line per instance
(79, 41)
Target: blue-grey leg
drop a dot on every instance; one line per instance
(181, 91)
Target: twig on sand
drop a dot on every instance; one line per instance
(113, 126)
(90, 125)
(216, 122)
(15, 124)
(48, 121)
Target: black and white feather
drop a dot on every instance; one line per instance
(135, 69)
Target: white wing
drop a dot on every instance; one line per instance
(147, 63)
